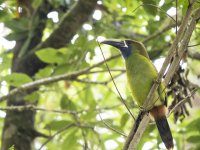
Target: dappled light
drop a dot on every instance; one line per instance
(99, 74)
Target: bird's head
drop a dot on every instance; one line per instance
(125, 46)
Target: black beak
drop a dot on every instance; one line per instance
(115, 43)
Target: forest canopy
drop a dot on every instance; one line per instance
(61, 89)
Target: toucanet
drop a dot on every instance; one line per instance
(141, 75)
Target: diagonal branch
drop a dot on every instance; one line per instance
(64, 129)
(168, 24)
(57, 133)
(45, 81)
(181, 41)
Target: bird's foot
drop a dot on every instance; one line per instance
(157, 81)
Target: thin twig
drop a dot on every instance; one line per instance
(159, 32)
(155, 7)
(112, 70)
(91, 82)
(122, 100)
(58, 132)
(193, 45)
(113, 129)
(64, 129)
(181, 102)
(34, 108)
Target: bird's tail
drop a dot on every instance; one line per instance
(159, 114)
(165, 133)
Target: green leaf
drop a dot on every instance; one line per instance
(18, 25)
(194, 125)
(127, 2)
(66, 103)
(125, 117)
(149, 8)
(12, 147)
(166, 6)
(5, 62)
(45, 72)
(89, 98)
(71, 139)
(16, 36)
(194, 139)
(130, 5)
(5, 15)
(184, 6)
(33, 97)
(61, 69)
(36, 3)
(51, 56)
(17, 79)
(57, 124)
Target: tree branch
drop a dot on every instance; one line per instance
(69, 76)
(182, 38)
(110, 127)
(64, 129)
(58, 132)
(112, 70)
(167, 25)
(34, 108)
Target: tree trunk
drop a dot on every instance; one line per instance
(18, 130)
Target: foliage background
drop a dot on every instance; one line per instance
(85, 112)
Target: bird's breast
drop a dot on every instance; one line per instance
(141, 74)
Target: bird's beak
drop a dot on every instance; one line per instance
(115, 43)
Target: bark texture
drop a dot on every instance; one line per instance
(18, 130)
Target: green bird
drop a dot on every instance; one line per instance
(141, 75)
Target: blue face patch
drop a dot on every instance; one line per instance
(126, 51)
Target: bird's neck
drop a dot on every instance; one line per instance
(141, 50)
(126, 52)
(134, 54)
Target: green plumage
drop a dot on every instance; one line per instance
(141, 75)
